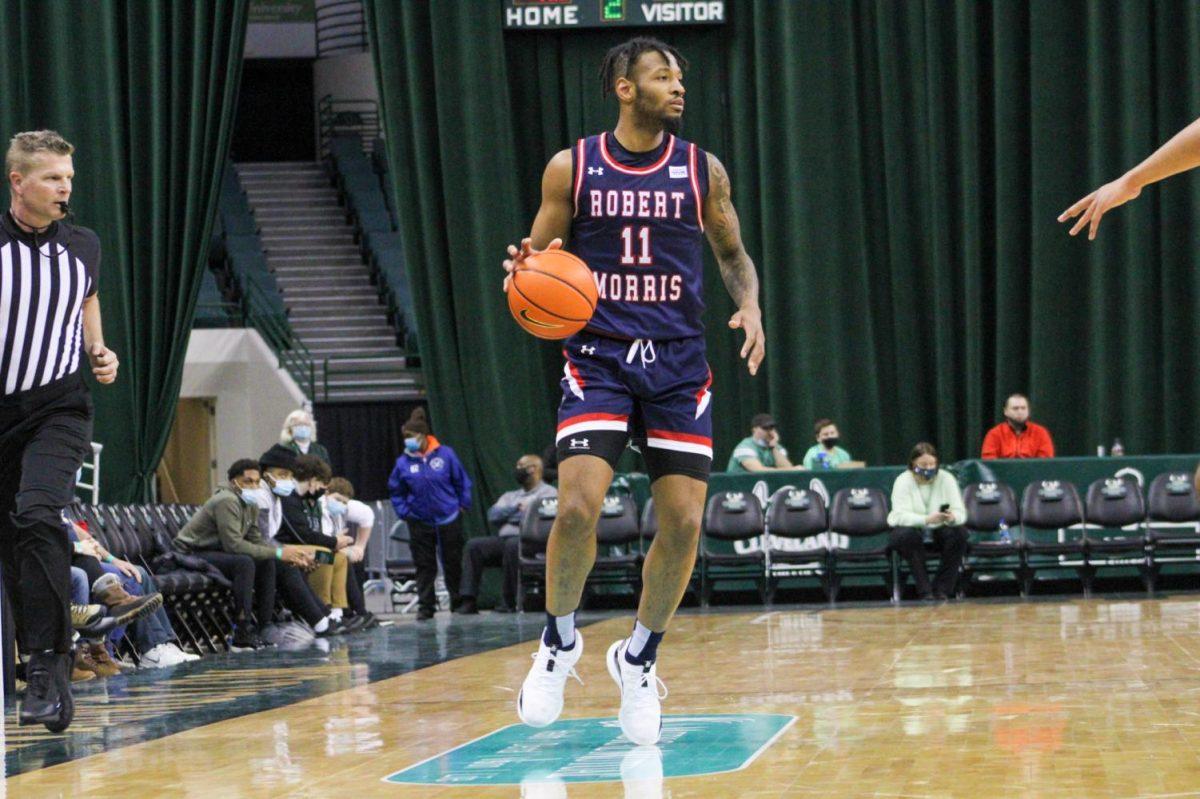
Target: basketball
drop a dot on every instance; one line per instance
(552, 295)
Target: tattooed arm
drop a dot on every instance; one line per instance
(737, 269)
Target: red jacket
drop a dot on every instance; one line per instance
(1003, 442)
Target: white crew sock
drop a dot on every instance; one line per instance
(321, 626)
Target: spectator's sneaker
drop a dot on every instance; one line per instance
(48, 697)
(424, 614)
(354, 623)
(164, 655)
(370, 622)
(541, 698)
(641, 702)
(245, 638)
(92, 621)
(334, 628)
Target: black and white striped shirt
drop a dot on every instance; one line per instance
(44, 278)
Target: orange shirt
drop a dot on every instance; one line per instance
(1004, 442)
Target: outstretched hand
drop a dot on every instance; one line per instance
(750, 320)
(517, 256)
(1098, 203)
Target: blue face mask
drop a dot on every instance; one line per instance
(335, 507)
(284, 488)
(412, 445)
(927, 474)
(302, 432)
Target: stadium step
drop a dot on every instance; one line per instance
(333, 306)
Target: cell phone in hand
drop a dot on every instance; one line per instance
(323, 556)
(945, 508)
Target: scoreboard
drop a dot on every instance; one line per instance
(553, 14)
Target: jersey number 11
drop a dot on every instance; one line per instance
(627, 239)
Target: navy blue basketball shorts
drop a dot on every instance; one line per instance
(654, 394)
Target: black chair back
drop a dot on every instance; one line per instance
(1050, 505)
(796, 513)
(618, 524)
(536, 522)
(733, 516)
(859, 512)
(1173, 498)
(1115, 502)
(988, 504)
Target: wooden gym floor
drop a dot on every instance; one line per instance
(1081, 698)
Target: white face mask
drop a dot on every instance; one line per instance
(257, 496)
(284, 488)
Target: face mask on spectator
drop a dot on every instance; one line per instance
(284, 488)
(412, 445)
(256, 496)
(302, 432)
(926, 474)
(335, 507)
(523, 477)
(830, 442)
(317, 493)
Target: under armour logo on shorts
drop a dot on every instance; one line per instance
(587, 350)
(579, 443)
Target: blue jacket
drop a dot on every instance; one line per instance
(430, 488)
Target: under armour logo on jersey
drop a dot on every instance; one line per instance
(587, 350)
(579, 443)
(595, 170)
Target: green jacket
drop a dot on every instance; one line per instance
(313, 449)
(909, 507)
(226, 523)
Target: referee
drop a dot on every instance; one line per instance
(49, 317)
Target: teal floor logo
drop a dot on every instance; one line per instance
(593, 750)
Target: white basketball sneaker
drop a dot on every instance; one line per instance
(641, 701)
(541, 698)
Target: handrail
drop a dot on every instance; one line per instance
(341, 28)
(291, 352)
(356, 117)
(333, 360)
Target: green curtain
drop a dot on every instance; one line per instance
(898, 168)
(146, 92)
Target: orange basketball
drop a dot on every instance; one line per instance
(552, 294)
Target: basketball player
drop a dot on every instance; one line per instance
(635, 204)
(1179, 154)
(50, 330)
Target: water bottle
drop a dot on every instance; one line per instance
(1005, 536)
(1118, 449)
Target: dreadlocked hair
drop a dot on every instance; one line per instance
(619, 61)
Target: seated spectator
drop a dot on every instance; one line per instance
(761, 452)
(825, 454)
(342, 514)
(299, 434)
(153, 637)
(926, 499)
(301, 525)
(1016, 436)
(225, 533)
(503, 549)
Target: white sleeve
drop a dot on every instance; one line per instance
(359, 514)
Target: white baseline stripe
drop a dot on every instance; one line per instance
(583, 427)
(679, 446)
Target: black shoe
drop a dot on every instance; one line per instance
(354, 623)
(246, 639)
(48, 697)
(371, 622)
(504, 609)
(424, 614)
(467, 607)
(334, 628)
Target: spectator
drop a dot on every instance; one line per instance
(153, 637)
(1016, 436)
(503, 549)
(825, 454)
(301, 525)
(761, 452)
(225, 533)
(550, 463)
(925, 498)
(341, 513)
(430, 489)
(299, 434)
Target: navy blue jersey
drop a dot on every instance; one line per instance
(641, 231)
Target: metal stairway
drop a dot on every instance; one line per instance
(333, 307)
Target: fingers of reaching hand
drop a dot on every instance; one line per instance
(1086, 217)
(757, 352)
(1075, 209)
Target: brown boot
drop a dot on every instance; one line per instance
(84, 668)
(122, 605)
(105, 665)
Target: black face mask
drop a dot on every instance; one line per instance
(523, 476)
(320, 492)
(1017, 426)
(830, 443)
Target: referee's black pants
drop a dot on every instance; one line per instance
(45, 434)
(427, 541)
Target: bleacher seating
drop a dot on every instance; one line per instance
(237, 252)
